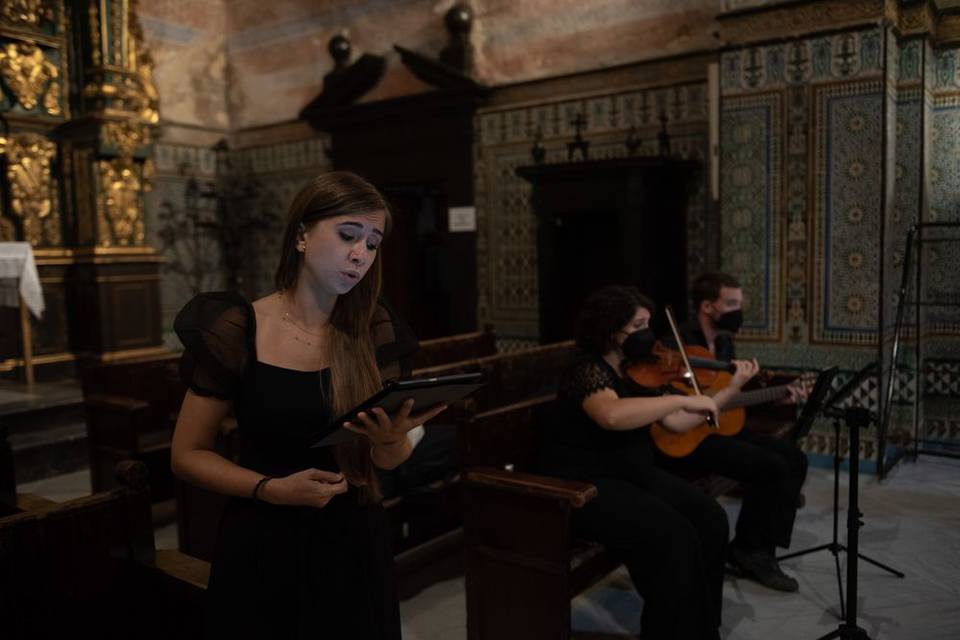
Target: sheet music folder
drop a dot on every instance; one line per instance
(426, 393)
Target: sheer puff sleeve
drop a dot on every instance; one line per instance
(217, 331)
(394, 341)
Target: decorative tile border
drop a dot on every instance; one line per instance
(797, 242)
(850, 55)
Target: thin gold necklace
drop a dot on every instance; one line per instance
(286, 317)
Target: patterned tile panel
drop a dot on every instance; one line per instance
(941, 378)
(750, 176)
(909, 68)
(939, 260)
(174, 159)
(848, 161)
(947, 69)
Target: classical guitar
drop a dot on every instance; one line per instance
(732, 418)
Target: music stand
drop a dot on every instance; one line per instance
(811, 407)
(855, 419)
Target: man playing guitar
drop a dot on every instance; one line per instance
(771, 471)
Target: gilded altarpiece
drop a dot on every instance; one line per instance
(107, 153)
(34, 73)
(79, 108)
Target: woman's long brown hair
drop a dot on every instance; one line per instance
(350, 350)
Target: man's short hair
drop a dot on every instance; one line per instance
(707, 287)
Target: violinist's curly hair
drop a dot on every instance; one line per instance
(606, 311)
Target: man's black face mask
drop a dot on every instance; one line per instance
(730, 321)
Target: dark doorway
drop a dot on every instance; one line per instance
(429, 271)
(609, 222)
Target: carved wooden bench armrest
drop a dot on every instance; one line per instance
(575, 493)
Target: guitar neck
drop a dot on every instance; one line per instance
(759, 396)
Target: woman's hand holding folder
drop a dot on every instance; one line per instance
(385, 430)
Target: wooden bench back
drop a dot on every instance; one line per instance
(71, 567)
(511, 377)
(463, 346)
(505, 437)
(131, 406)
(153, 379)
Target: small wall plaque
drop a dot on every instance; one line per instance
(463, 219)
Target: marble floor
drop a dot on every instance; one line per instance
(912, 523)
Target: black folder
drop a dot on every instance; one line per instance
(426, 393)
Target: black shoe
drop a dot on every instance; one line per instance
(762, 567)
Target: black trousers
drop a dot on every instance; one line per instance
(771, 472)
(672, 538)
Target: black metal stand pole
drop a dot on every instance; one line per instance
(856, 418)
(834, 546)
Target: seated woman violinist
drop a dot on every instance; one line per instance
(670, 535)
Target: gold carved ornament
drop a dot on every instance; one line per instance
(125, 136)
(28, 12)
(28, 74)
(119, 210)
(146, 98)
(8, 232)
(130, 88)
(28, 173)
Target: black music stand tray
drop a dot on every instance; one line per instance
(855, 418)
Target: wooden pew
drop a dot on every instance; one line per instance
(131, 407)
(430, 511)
(523, 564)
(463, 346)
(88, 567)
(513, 376)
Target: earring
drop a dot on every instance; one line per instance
(301, 247)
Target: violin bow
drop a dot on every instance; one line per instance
(686, 362)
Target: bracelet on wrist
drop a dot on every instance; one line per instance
(256, 489)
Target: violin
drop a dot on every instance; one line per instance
(712, 376)
(665, 366)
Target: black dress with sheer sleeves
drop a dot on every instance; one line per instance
(281, 571)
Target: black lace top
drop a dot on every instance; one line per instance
(578, 447)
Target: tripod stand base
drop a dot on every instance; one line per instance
(847, 632)
(834, 548)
